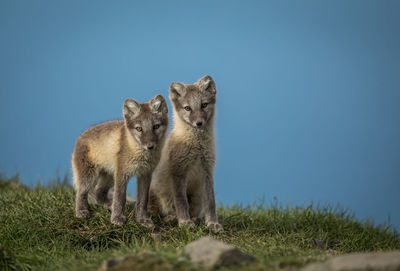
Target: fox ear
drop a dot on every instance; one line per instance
(131, 108)
(207, 84)
(158, 104)
(176, 90)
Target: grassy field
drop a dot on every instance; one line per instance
(38, 231)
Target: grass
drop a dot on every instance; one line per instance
(38, 231)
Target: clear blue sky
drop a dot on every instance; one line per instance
(308, 91)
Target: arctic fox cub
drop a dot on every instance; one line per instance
(108, 154)
(183, 182)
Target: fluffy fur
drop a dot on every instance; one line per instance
(108, 154)
(183, 182)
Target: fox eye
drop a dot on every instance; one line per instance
(204, 105)
(187, 108)
(155, 127)
(139, 129)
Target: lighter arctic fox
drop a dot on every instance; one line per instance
(183, 182)
(108, 154)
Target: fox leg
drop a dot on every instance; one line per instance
(101, 190)
(181, 202)
(84, 176)
(195, 206)
(167, 209)
(81, 204)
(142, 198)
(82, 190)
(210, 209)
(119, 198)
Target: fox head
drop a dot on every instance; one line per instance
(147, 122)
(194, 103)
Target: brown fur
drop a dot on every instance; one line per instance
(108, 154)
(183, 182)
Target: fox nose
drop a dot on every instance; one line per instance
(150, 147)
(199, 123)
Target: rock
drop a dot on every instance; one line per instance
(110, 263)
(374, 261)
(146, 260)
(208, 252)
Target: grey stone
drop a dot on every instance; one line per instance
(374, 261)
(146, 260)
(110, 263)
(208, 252)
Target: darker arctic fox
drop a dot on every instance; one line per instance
(108, 154)
(183, 182)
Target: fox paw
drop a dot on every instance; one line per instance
(118, 220)
(186, 223)
(215, 227)
(146, 222)
(82, 213)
